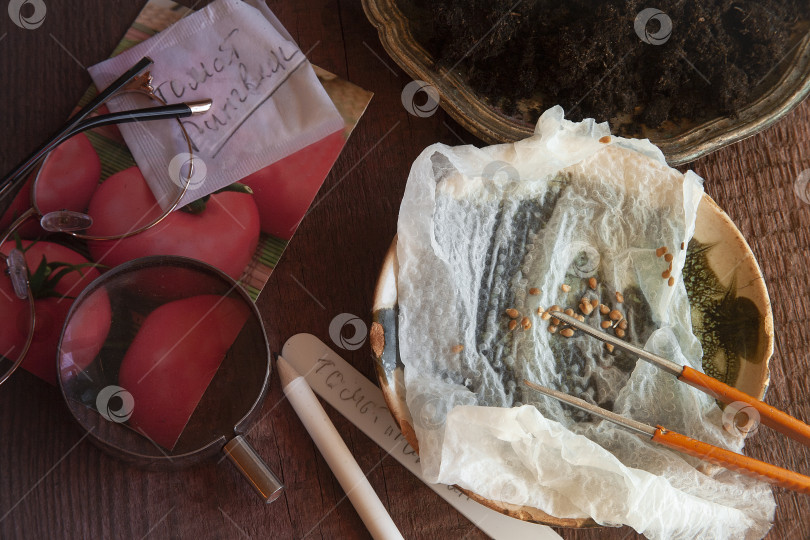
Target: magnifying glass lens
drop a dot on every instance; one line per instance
(162, 360)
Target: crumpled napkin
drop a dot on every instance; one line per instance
(268, 102)
(477, 230)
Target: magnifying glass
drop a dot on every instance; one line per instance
(164, 362)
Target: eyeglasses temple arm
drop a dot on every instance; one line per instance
(163, 112)
(11, 184)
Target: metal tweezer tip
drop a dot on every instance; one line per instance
(627, 423)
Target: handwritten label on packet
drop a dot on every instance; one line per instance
(360, 401)
(267, 100)
(241, 83)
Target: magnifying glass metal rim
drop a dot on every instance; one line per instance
(236, 448)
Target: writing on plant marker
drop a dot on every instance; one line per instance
(346, 389)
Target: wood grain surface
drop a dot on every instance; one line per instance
(54, 483)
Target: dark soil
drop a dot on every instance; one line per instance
(587, 57)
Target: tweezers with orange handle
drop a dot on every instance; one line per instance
(768, 415)
(732, 460)
(705, 451)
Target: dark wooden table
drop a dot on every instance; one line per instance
(55, 484)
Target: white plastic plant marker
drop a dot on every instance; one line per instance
(362, 402)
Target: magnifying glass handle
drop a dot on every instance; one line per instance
(253, 468)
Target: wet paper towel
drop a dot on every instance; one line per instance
(479, 228)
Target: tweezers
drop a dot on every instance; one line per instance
(768, 415)
(674, 440)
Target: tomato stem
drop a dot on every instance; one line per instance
(46, 277)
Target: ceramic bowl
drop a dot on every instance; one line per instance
(731, 314)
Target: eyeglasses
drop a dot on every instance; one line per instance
(61, 176)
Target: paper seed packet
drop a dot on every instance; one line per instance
(307, 167)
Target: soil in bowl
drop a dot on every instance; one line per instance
(588, 57)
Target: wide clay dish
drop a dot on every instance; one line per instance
(731, 314)
(680, 142)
